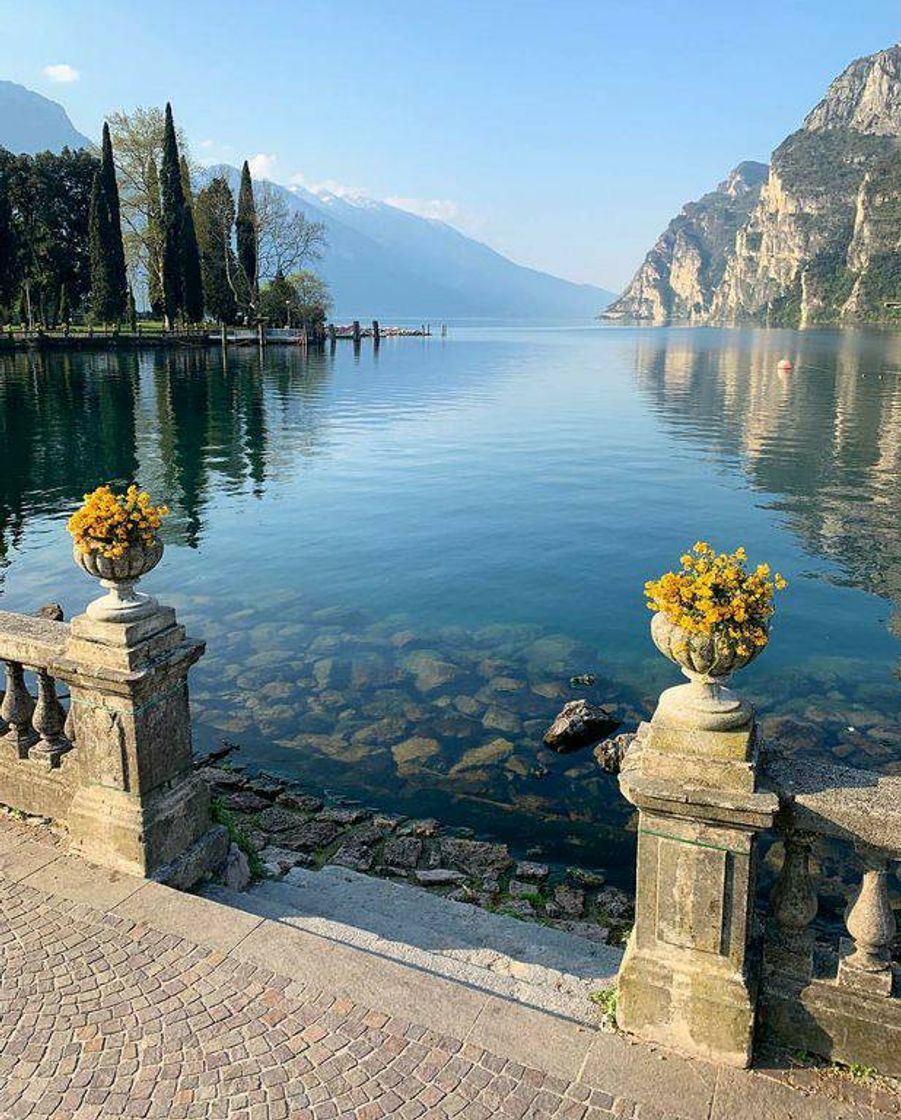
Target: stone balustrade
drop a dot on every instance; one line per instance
(840, 1000)
(115, 767)
(706, 971)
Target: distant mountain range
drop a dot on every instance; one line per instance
(32, 123)
(813, 238)
(381, 261)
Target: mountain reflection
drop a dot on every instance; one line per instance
(824, 439)
(182, 423)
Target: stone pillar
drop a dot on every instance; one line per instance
(686, 980)
(138, 805)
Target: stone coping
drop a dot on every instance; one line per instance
(31, 640)
(191, 999)
(860, 806)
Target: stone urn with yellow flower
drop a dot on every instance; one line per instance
(711, 618)
(115, 541)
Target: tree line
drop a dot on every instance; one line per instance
(81, 233)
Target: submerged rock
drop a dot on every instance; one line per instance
(430, 670)
(578, 724)
(482, 756)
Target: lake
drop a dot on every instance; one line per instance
(399, 559)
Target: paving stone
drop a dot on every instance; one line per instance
(126, 1012)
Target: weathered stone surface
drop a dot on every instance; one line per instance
(243, 801)
(297, 799)
(438, 877)
(277, 819)
(402, 851)
(276, 860)
(344, 814)
(237, 869)
(571, 900)
(476, 857)
(206, 856)
(532, 872)
(311, 835)
(577, 725)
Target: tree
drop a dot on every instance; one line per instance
(48, 200)
(152, 241)
(214, 219)
(132, 311)
(192, 283)
(314, 300)
(301, 300)
(246, 239)
(285, 239)
(137, 138)
(278, 302)
(63, 313)
(8, 249)
(109, 286)
(182, 286)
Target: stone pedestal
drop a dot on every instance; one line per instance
(137, 804)
(686, 979)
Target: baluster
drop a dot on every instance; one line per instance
(17, 708)
(793, 906)
(48, 721)
(866, 959)
(69, 725)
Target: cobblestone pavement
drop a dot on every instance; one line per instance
(124, 1014)
(100, 1017)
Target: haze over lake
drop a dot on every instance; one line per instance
(399, 559)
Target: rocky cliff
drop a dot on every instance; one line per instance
(683, 271)
(820, 241)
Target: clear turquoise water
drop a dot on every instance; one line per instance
(496, 499)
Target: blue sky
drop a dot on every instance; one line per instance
(564, 134)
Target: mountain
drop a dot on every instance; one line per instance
(680, 275)
(820, 242)
(473, 278)
(32, 123)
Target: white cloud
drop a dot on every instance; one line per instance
(61, 72)
(262, 166)
(441, 210)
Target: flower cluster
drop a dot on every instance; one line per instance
(111, 523)
(714, 594)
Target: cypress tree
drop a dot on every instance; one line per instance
(246, 234)
(109, 286)
(214, 219)
(192, 283)
(154, 241)
(173, 205)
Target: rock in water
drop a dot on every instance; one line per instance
(579, 724)
(611, 752)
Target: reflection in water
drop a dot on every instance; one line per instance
(825, 438)
(399, 563)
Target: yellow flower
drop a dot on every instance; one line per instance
(110, 523)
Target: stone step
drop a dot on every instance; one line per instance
(533, 964)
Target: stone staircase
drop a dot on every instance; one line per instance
(540, 967)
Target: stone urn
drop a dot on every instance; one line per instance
(708, 662)
(121, 603)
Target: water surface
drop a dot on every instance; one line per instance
(399, 558)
